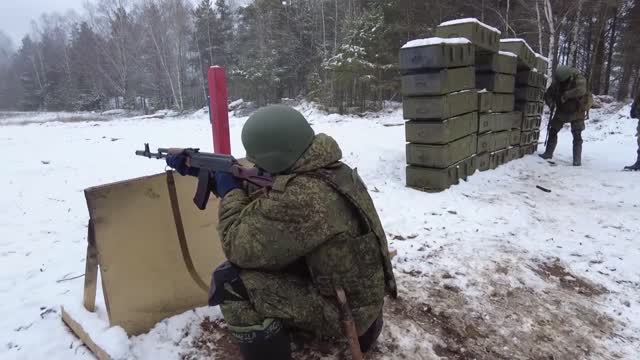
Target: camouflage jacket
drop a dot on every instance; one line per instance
(319, 213)
(574, 92)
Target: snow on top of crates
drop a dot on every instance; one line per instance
(470, 20)
(435, 41)
(542, 57)
(518, 40)
(507, 53)
(483, 91)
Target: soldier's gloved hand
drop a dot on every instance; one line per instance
(179, 163)
(225, 182)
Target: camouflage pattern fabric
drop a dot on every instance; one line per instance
(634, 114)
(574, 91)
(638, 137)
(313, 218)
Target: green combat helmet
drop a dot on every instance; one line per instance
(275, 137)
(563, 73)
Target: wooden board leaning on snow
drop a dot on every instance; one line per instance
(470, 20)
(435, 41)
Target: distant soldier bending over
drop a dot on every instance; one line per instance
(569, 96)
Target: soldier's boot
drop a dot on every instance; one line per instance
(577, 148)
(552, 142)
(371, 335)
(636, 166)
(257, 338)
(273, 342)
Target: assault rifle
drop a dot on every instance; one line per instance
(207, 164)
(552, 110)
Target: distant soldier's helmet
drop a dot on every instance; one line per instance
(563, 73)
(275, 137)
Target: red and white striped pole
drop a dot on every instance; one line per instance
(219, 111)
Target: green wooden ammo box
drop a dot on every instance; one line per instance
(485, 37)
(536, 135)
(486, 143)
(467, 167)
(526, 137)
(484, 101)
(441, 156)
(526, 56)
(498, 158)
(498, 121)
(530, 78)
(484, 161)
(436, 53)
(514, 152)
(529, 93)
(542, 64)
(502, 102)
(514, 137)
(516, 120)
(531, 148)
(441, 132)
(496, 82)
(439, 82)
(531, 122)
(502, 139)
(529, 108)
(429, 179)
(440, 107)
(502, 62)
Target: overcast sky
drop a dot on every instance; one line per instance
(16, 15)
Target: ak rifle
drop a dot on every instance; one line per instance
(208, 164)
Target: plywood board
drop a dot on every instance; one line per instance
(84, 336)
(144, 276)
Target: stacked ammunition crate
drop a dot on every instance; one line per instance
(529, 93)
(440, 103)
(495, 80)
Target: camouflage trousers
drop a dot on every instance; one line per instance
(293, 300)
(577, 126)
(638, 137)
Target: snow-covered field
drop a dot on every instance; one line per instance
(490, 269)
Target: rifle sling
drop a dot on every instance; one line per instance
(182, 238)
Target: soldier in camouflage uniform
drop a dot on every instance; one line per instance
(568, 94)
(291, 246)
(636, 115)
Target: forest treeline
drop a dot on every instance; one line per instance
(154, 54)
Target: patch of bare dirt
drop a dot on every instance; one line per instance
(499, 316)
(213, 341)
(554, 271)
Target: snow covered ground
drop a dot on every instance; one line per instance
(490, 269)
